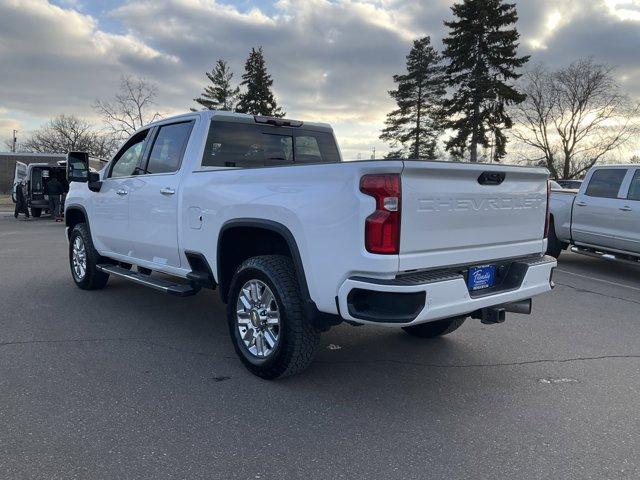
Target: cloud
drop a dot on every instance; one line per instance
(9, 124)
(60, 61)
(331, 60)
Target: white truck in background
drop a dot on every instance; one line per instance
(295, 240)
(602, 218)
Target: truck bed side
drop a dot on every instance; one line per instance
(561, 207)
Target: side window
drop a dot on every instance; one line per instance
(128, 159)
(605, 183)
(315, 147)
(168, 147)
(634, 189)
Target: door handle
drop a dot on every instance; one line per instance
(122, 192)
(626, 208)
(581, 204)
(167, 191)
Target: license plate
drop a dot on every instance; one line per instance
(481, 277)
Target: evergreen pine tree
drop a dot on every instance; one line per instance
(482, 52)
(220, 95)
(413, 128)
(258, 99)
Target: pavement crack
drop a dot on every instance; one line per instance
(483, 365)
(585, 290)
(81, 340)
(184, 350)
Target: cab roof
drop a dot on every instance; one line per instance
(246, 118)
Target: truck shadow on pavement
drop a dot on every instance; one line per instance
(347, 355)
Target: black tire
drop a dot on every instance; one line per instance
(435, 329)
(36, 212)
(554, 246)
(297, 338)
(93, 279)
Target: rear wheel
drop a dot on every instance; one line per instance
(268, 327)
(83, 260)
(36, 212)
(435, 329)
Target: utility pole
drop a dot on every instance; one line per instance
(14, 140)
(373, 155)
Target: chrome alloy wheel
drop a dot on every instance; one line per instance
(79, 259)
(258, 318)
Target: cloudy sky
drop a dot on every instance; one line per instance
(331, 60)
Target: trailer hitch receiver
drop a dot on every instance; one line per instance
(497, 314)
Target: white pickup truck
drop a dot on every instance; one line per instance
(295, 240)
(602, 218)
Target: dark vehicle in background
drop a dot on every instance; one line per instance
(570, 184)
(36, 176)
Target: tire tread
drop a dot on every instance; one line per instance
(301, 337)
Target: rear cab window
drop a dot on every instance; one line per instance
(606, 182)
(246, 145)
(315, 147)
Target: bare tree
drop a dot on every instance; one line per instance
(66, 133)
(574, 117)
(131, 108)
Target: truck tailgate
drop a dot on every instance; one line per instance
(455, 214)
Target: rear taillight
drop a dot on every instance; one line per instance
(548, 215)
(382, 227)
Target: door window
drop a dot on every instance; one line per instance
(606, 182)
(634, 189)
(128, 158)
(168, 147)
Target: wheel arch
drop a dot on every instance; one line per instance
(73, 215)
(279, 240)
(262, 229)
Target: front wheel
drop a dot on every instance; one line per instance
(435, 329)
(268, 327)
(83, 260)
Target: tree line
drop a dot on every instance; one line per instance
(470, 97)
(468, 102)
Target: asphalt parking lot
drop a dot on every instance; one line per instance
(130, 383)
